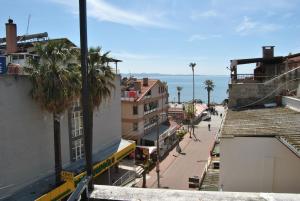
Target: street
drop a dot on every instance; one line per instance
(176, 168)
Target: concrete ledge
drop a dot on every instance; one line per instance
(140, 194)
(291, 102)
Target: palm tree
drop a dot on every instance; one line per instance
(100, 79)
(190, 113)
(209, 86)
(56, 84)
(178, 93)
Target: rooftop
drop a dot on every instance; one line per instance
(280, 122)
(211, 179)
(261, 122)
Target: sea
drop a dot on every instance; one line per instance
(186, 82)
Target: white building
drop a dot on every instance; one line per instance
(26, 132)
(260, 149)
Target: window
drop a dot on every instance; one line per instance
(135, 126)
(77, 149)
(77, 123)
(135, 109)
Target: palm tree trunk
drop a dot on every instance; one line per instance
(178, 97)
(57, 148)
(208, 97)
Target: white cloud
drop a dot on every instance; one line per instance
(206, 14)
(133, 56)
(248, 26)
(196, 37)
(104, 11)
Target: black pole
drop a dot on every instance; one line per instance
(157, 151)
(193, 126)
(88, 137)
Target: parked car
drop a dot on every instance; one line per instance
(205, 116)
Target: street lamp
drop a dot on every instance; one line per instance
(192, 65)
(88, 135)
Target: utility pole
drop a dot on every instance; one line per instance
(157, 151)
(192, 65)
(88, 135)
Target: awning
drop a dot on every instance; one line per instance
(102, 161)
(150, 149)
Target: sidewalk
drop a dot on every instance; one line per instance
(176, 168)
(165, 164)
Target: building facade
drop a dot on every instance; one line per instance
(145, 115)
(27, 139)
(142, 102)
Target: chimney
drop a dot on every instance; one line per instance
(145, 81)
(11, 37)
(268, 51)
(138, 86)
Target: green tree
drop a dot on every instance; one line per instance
(190, 113)
(179, 88)
(56, 84)
(100, 79)
(209, 86)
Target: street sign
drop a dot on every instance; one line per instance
(3, 68)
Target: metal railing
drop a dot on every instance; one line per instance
(127, 177)
(81, 191)
(150, 111)
(251, 78)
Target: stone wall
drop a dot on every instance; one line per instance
(251, 94)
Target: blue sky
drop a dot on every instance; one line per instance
(164, 36)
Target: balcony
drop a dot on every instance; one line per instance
(250, 78)
(149, 126)
(150, 111)
(130, 95)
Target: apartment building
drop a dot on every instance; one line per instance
(27, 142)
(144, 104)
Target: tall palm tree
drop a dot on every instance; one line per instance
(178, 93)
(100, 79)
(209, 86)
(56, 84)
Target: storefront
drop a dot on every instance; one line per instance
(167, 138)
(73, 175)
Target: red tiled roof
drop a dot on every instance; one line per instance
(145, 89)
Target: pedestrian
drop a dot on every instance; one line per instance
(208, 127)
(178, 149)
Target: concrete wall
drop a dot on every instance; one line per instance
(291, 102)
(26, 134)
(107, 120)
(242, 94)
(252, 164)
(26, 140)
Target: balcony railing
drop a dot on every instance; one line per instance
(150, 111)
(130, 95)
(149, 126)
(251, 78)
